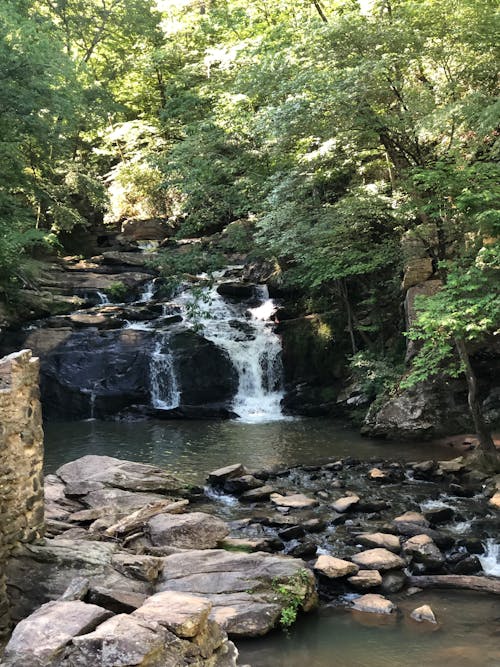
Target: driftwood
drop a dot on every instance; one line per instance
(484, 584)
(134, 521)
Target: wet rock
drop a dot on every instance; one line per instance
(423, 550)
(423, 614)
(443, 540)
(305, 550)
(294, 501)
(365, 579)
(236, 290)
(383, 540)
(258, 494)
(494, 501)
(40, 639)
(119, 473)
(454, 466)
(194, 530)
(393, 581)
(424, 469)
(346, 503)
(439, 515)
(314, 525)
(378, 559)
(468, 565)
(334, 568)
(219, 476)
(374, 604)
(238, 485)
(291, 533)
(377, 475)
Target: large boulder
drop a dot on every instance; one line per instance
(243, 588)
(40, 639)
(147, 229)
(378, 559)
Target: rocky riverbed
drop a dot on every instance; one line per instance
(138, 567)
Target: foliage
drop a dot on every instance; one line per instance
(117, 291)
(375, 375)
(291, 593)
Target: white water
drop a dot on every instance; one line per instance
(490, 560)
(165, 394)
(250, 343)
(147, 292)
(103, 298)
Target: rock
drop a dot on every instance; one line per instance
(236, 290)
(194, 530)
(417, 270)
(314, 525)
(365, 579)
(383, 540)
(423, 613)
(148, 229)
(374, 604)
(439, 515)
(219, 476)
(256, 495)
(333, 568)
(291, 533)
(185, 615)
(119, 473)
(294, 501)
(116, 601)
(346, 503)
(241, 586)
(412, 517)
(238, 485)
(40, 639)
(423, 550)
(467, 565)
(305, 550)
(251, 545)
(378, 559)
(378, 475)
(453, 466)
(393, 581)
(494, 501)
(144, 568)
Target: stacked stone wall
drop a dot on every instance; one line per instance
(21, 462)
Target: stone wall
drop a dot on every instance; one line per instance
(21, 462)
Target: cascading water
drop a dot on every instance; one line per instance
(165, 393)
(248, 338)
(103, 298)
(147, 292)
(490, 559)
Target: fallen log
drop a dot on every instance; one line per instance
(483, 584)
(135, 520)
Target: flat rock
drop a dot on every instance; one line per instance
(494, 501)
(241, 586)
(193, 530)
(119, 473)
(219, 476)
(423, 613)
(333, 568)
(374, 604)
(261, 493)
(185, 615)
(365, 579)
(383, 540)
(412, 517)
(294, 501)
(346, 503)
(39, 639)
(378, 559)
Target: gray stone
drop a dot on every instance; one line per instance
(294, 500)
(346, 503)
(383, 540)
(365, 579)
(193, 530)
(40, 639)
(423, 550)
(185, 615)
(374, 604)
(334, 568)
(424, 613)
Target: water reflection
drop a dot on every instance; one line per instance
(192, 448)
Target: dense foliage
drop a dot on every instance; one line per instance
(334, 128)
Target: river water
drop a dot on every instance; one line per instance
(469, 631)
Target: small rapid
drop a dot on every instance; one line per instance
(247, 336)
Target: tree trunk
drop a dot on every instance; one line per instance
(486, 443)
(472, 583)
(320, 11)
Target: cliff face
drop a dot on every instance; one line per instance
(21, 461)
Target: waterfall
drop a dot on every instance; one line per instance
(165, 393)
(247, 336)
(147, 291)
(103, 298)
(490, 560)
